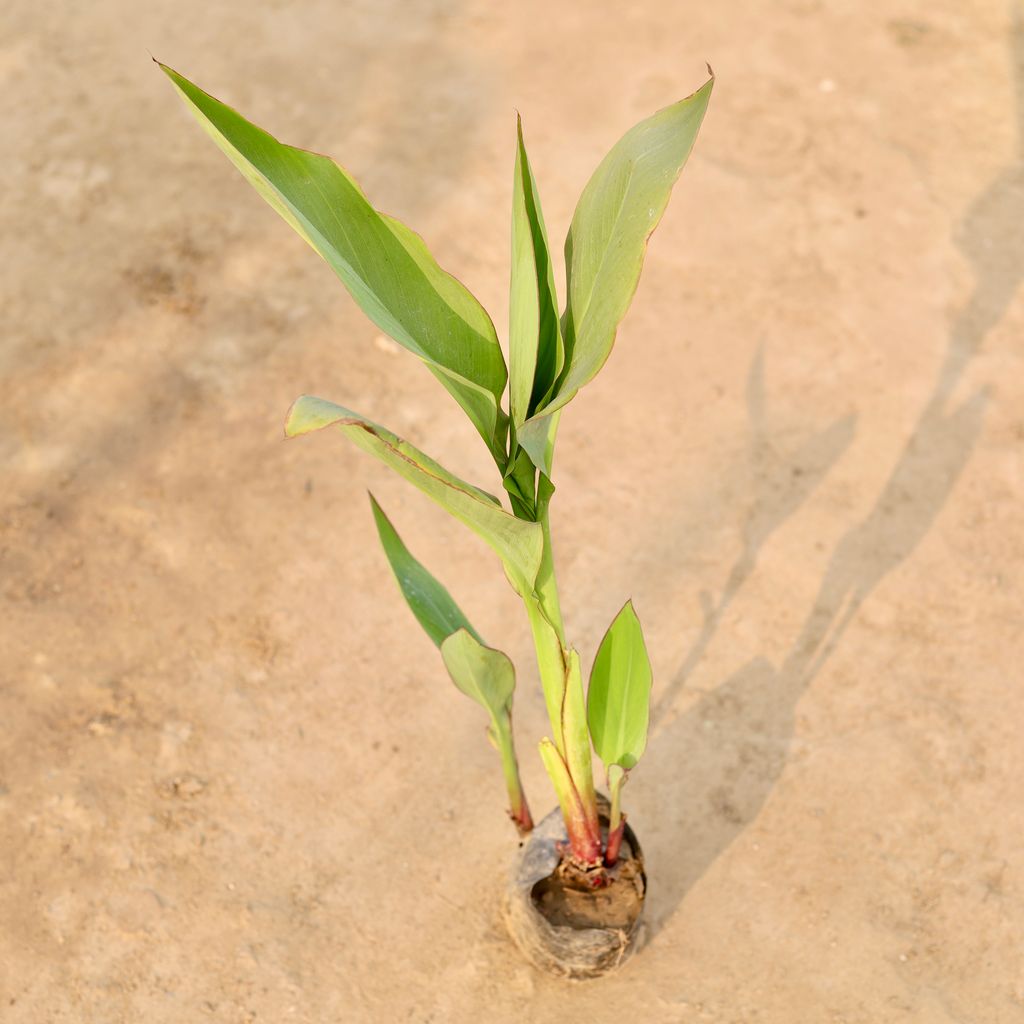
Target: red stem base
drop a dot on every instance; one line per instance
(611, 853)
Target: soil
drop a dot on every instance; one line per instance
(566, 901)
(803, 461)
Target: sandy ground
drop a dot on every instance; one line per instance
(235, 783)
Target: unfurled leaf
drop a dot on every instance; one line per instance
(518, 543)
(385, 266)
(535, 339)
(604, 251)
(429, 601)
(620, 691)
(482, 673)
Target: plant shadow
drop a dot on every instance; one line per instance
(734, 741)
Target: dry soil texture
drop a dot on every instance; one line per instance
(235, 782)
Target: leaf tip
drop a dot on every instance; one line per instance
(291, 417)
(628, 610)
(167, 70)
(308, 413)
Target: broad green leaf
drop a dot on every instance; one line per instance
(429, 601)
(604, 251)
(385, 266)
(482, 673)
(518, 543)
(535, 338)
(620, 692)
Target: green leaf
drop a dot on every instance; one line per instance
(604, 251)
(620, 692)
(537, 438)
(482, 673)
(429, 601)
(517, 542)
(535, 338)
(385, 266)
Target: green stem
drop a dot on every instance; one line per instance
(616, 777)
(519, 810)
(550, 665)
(616, 820)
(586, 848)
(547, 585)
(562, 683)
(576, 736)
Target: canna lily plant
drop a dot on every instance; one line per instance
(392, 276)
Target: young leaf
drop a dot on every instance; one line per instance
(604, 251)
(482, 673)
(517, 542)
(535, 337)
(429, 601)
(385, 266)
(620, 691)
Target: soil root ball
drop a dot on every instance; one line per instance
(562, 927)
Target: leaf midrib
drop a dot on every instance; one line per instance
(604, 257)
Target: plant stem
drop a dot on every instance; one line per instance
(566, 704)
(576, 735)
(547, 585)
(586, 848)
(519, 810)
(550, 665)
(616, 821)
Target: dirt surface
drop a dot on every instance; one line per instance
(564, 901)
(803, 462)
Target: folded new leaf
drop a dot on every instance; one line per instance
(536, 353)
(385, 266)
(517, 542)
